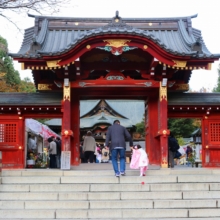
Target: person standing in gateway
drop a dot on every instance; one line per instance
(117, 135)
(89, 146)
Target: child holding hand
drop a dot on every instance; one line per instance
(139, 160)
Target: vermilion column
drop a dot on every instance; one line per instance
(21, 142)
(66, 120)
(75, 123)
(163, 131)
(151, 128)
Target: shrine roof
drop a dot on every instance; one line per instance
(94, 120)
(31, 99)
(129, 107)
(52, 36)
(194, 99)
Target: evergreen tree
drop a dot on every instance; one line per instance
(181, 127)
(140, 127)
(10, 80)
(26, 85)
(6, 65)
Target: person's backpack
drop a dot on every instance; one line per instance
(173, 144)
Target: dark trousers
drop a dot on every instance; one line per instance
(53, 163)
(58, 161)
(171, 158)
(89, 156)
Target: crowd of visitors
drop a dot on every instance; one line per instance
(99, 155)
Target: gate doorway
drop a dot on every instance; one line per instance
(188, 132)
(97, 115)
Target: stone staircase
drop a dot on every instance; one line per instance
(184, 193)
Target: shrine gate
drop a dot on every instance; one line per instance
(74, 59)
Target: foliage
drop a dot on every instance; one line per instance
(9, 77)
(217, 87)
(42, 120)
(192, 156)
(181, 127)
(197, 122)
(180, 141)
(39, 158)
(140, 127)
(27, 86)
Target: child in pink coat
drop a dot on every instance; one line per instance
(139, 159)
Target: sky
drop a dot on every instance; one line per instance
(208, 21)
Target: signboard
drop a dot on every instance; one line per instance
(65, 160)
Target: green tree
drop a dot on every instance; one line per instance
(140, 127)
(11, 76)
(26, 85)
(181, 127)
(10, 80)
(217, 87)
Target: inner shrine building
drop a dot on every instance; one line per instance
(149, 59)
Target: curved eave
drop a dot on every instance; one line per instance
(75, 40)
(95, 120)
(152, 42)
(144, 36)
(109, 19)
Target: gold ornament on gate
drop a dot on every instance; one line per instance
(117, 42)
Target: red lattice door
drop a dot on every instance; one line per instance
(12, 156)
(211, 142)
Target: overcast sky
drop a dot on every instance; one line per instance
(208, 21)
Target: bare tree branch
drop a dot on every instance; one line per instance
(25, 6)
(8, 19)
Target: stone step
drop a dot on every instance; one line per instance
(15, 196)
(109, 187)
(162, 194)
(59, 173)
(111, 179)
(111, 213)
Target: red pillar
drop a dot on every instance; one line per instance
(163, 132)
(75, 125)
(151, 129)
(66, 120)
(21, 141)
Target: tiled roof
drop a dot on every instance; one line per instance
(199, 99)
(21, 99)
(124, 107)
(55, 36)
(92, 121)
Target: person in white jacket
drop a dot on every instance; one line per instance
(139, 160)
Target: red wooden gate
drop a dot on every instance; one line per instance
(211, 141)
(11, 143)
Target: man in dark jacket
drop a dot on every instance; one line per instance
(173, 146)
(117, 135)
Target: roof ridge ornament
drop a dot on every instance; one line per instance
(197, 46)
(117, 22)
